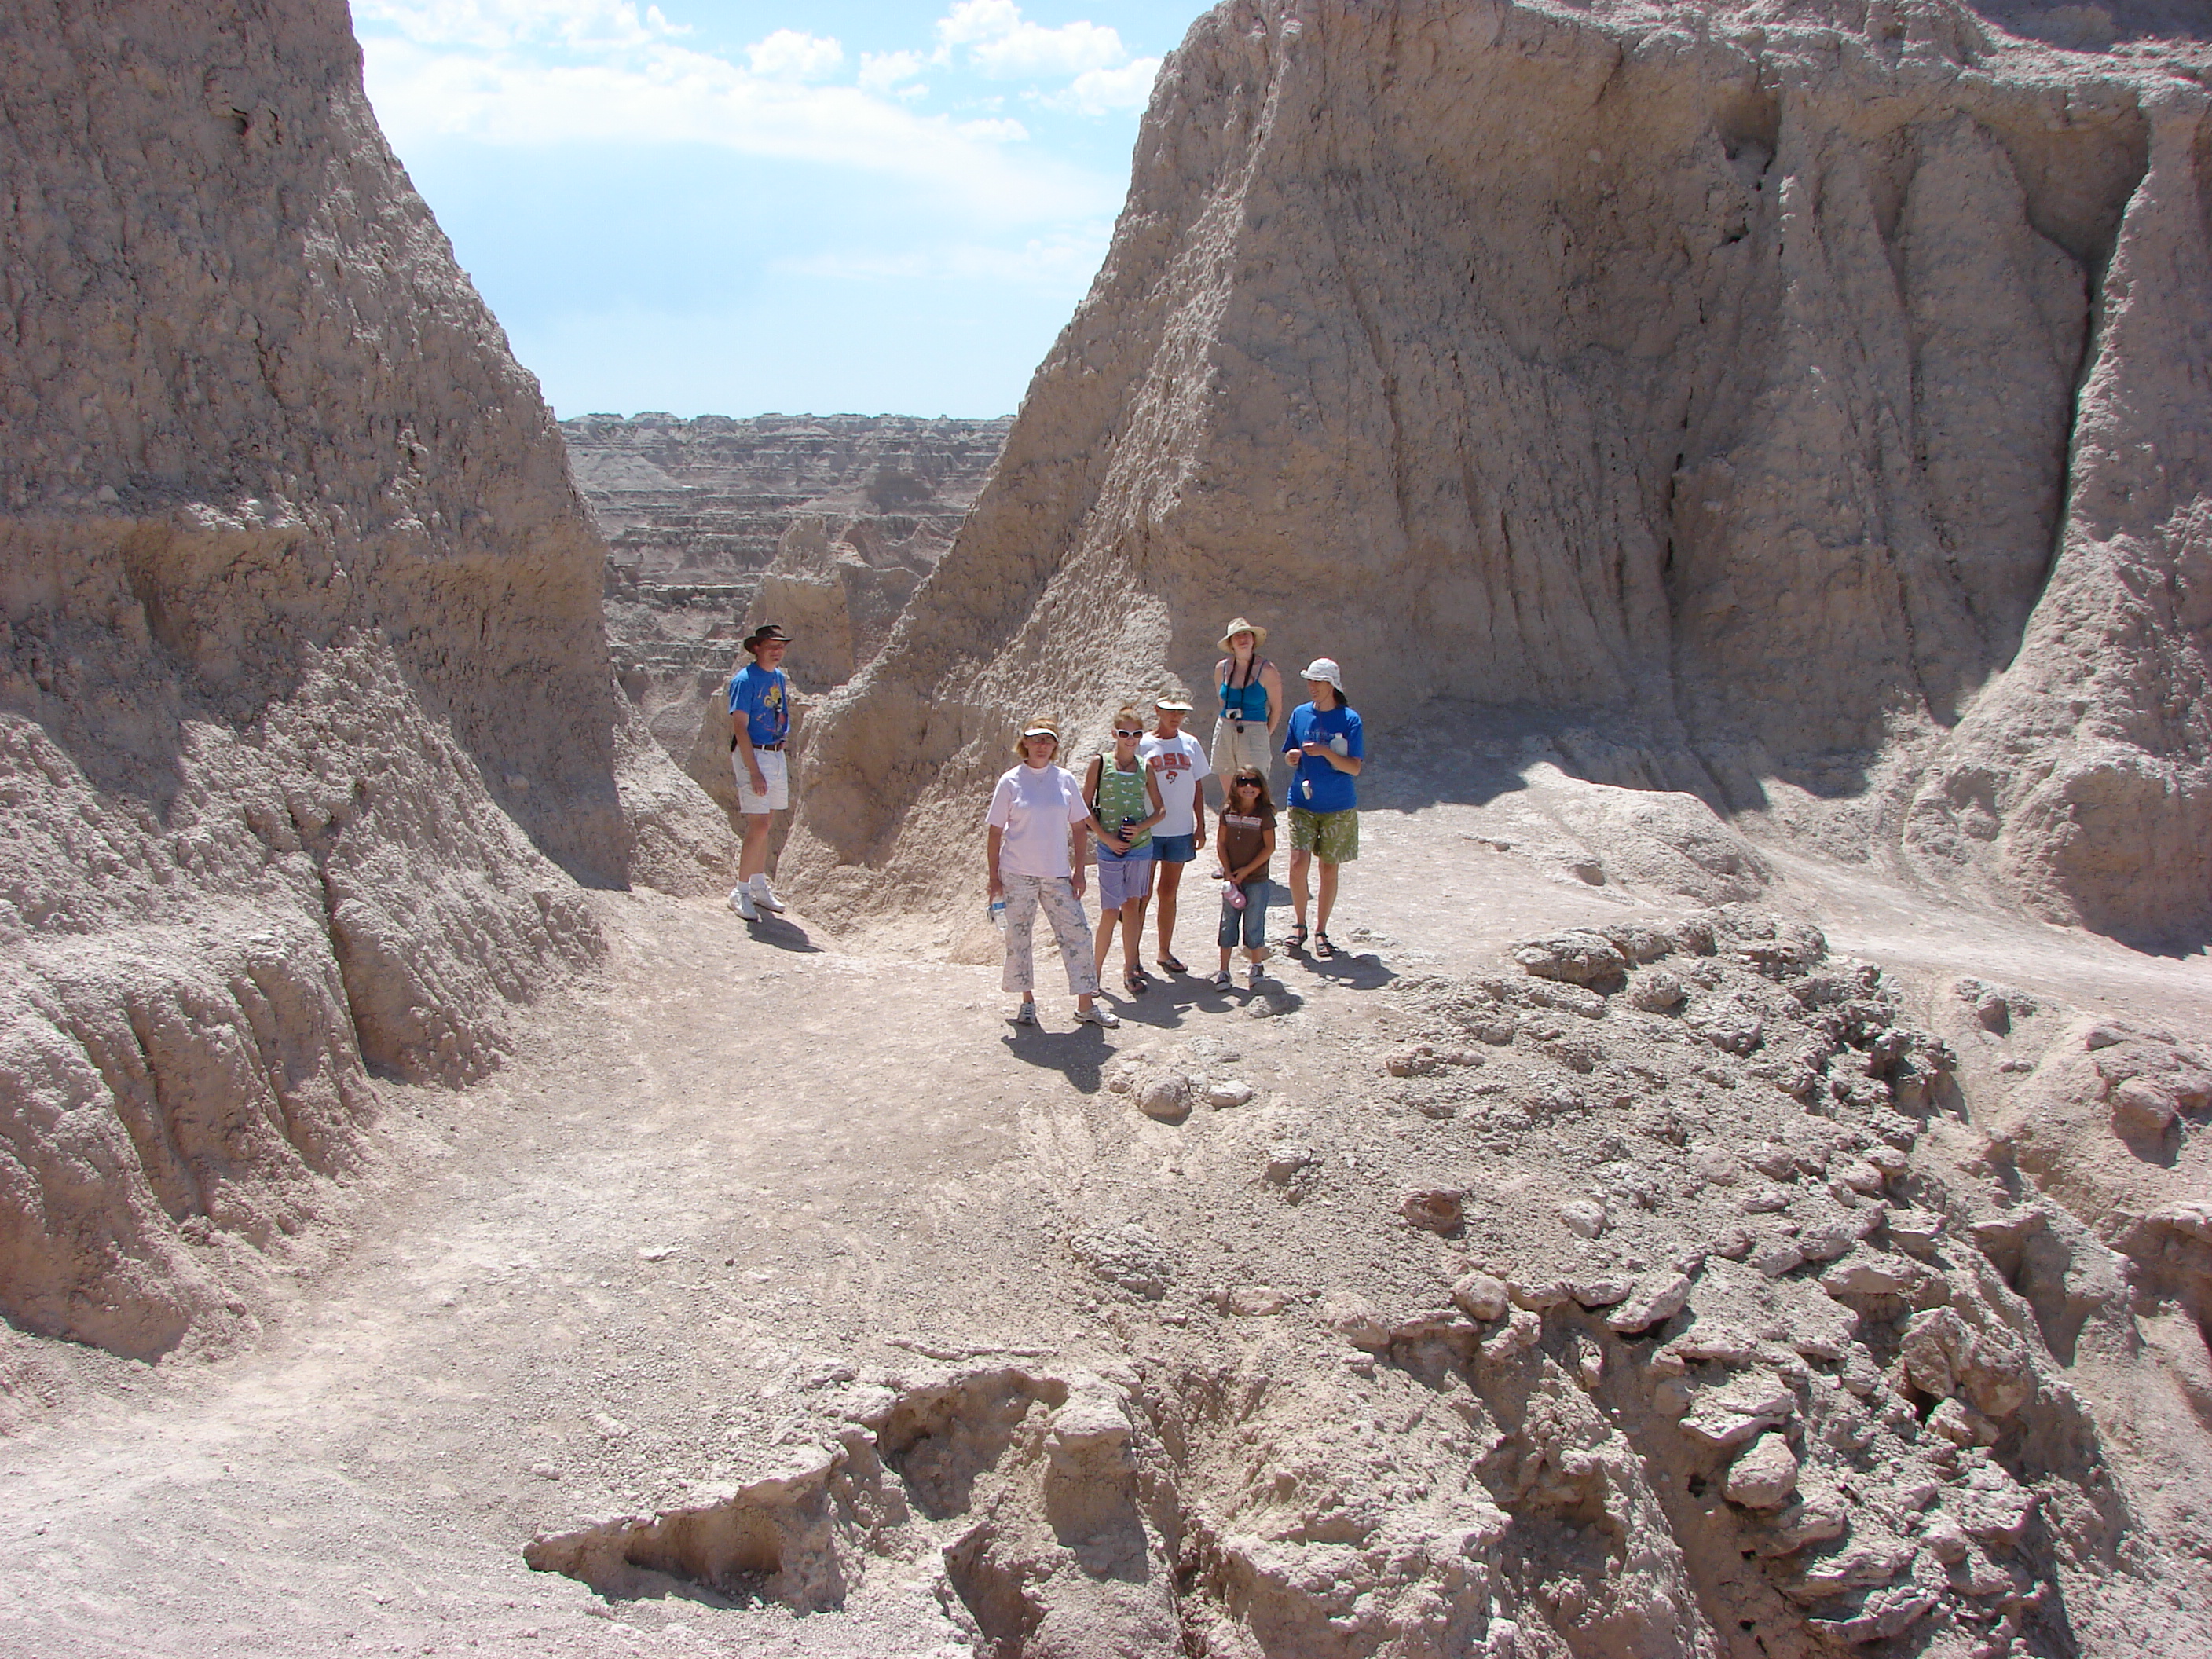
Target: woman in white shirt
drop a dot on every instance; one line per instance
(1038, 844)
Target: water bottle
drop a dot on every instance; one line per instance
(998, 914)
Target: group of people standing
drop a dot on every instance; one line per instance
(1143, 803)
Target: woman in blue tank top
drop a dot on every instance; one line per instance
(1251, 703)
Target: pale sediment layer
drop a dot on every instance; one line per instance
(1811, 395)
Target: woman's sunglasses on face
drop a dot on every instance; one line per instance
(1119, 733)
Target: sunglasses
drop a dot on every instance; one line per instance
(1119, 733)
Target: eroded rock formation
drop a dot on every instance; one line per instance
(1814, 392)
(308, 727)
(1658, 1296)
(825, 524)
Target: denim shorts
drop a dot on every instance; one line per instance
(1252, 919)
(1174, 850)
(1123, 877)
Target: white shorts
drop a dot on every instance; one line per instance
(774, 773)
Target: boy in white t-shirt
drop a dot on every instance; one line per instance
(1178, 764)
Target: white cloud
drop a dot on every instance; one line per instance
(505, 24)
(1100, 92)
(466, 78)
(789, 55)
(1003, 45)
(1061, 264)
(881, 70)
(1003, 130)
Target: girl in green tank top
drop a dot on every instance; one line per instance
(1124, 797)
(1122, 792)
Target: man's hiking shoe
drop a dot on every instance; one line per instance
(763, 898)
(1026, 1014)
(741, 901)
(1099, 1014)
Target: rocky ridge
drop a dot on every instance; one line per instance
(1659, 1297)
(1803, 396)
(308, 732)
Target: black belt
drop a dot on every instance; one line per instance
(766, 748)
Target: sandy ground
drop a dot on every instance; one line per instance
(735, 1162)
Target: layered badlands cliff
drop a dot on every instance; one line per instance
(1792, 412)
(1807, 398)
(308, 725)
(825, 524)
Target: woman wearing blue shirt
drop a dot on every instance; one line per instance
(1322, 741)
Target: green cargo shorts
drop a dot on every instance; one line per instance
(1332, 837)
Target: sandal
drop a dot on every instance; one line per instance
(1135, 982)
(1297, 942)
(1322, 948)
(1173, 966)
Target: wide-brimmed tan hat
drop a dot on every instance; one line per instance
(1172, 700)
(1241, 626)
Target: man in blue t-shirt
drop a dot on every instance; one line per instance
(1323, 740)
(760, 726)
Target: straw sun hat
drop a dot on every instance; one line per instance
(1241, 626)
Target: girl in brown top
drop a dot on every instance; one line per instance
(1245, 844)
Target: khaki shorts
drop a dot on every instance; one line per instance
(1332, 837)
(1238, 743)
(776, 772)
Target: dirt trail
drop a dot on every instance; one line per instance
(731, 1166)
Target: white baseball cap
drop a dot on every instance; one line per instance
(1324, 668)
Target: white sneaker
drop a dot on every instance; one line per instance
(763, 898)
(1099, 1014)
(1252, 976)
(742, 903)
(1026, 1014)
(1221, 980)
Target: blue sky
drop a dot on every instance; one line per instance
(748, 205)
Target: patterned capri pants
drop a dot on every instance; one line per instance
(1070, 929)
